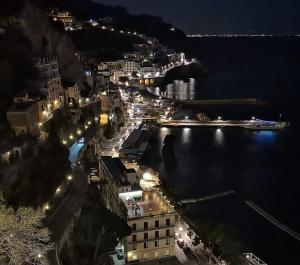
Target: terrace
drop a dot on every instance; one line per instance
(145, 203)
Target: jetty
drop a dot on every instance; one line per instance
(209, 197)
(273, 220)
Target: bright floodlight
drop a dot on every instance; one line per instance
(186, 117)
(219, 118)
(147, 176)
(253, 118)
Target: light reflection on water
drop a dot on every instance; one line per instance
(163, 132)
(186, 135)
(219, 136)
(264, 137)
(179, 90)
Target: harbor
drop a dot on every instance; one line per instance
(253, 124)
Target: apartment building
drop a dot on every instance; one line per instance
(149, 214)
(118, 179)
(23, 117)
(130, 67)
(49, 80)
(152, 220)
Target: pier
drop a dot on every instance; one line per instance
(210, 197)
(273, 220)
(238, 101)
(197, 123)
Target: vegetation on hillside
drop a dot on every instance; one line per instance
(39, 175)
(96, 233)
(103, 44)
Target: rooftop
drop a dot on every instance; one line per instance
(116, 168)
(135, 139)
(21, 106)
(145, 203)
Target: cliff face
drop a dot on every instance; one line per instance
(48, 40)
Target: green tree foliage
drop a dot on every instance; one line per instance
(221, 240)
(39, 175)
(96, 233)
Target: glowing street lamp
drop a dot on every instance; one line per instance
(69, 177)
(64, 142)
(71, 137)
(219, 118)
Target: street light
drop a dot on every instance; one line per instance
(69, 177)
(219, 118)
(71, 137)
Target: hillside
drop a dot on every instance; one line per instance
(26, 32)
(149, 25)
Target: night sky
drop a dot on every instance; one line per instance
(221, 16)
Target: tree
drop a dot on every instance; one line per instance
(23, 238)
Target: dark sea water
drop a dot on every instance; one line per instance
(261, 166)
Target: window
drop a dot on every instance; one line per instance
(156, 223)
(156, 254)
(134, 246)
(168, 232)
(134, 238)
(145, 256)
(156, 243)
(145, 244)
(134, 257)
(156, 234)
(145, 225)
(133, 227)
(168, 222)
(168, 241)
(167, 252)
(145, 236)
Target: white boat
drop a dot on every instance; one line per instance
(265, 125)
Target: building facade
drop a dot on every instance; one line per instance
(152, 220)
(49, 81)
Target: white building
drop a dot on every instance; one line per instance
(130, 67)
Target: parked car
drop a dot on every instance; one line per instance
(180, 242)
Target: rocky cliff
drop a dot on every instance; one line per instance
(25, 32)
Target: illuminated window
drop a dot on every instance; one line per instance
(145, 256)
(156, 254)
(167, 252)
(134, 257)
